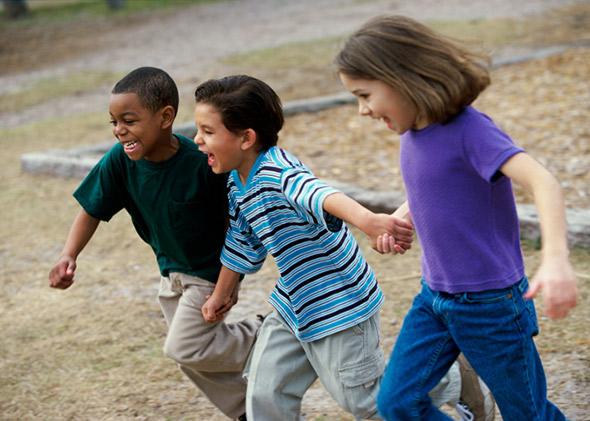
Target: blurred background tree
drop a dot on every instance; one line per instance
(15, 9)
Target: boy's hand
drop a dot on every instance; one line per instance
(216, 306)
(62, 274)
(556, 281)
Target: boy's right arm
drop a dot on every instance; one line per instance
(61, 275)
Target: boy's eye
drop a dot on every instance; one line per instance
(113, 123)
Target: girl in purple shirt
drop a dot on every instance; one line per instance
(457, 167)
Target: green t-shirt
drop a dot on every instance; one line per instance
(178, 207)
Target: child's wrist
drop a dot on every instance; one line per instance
(555, 253)
(367, 220)
(221, 295)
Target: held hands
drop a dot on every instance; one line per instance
(556, 281)
(62, 274)
(391, 234)
(217, 305)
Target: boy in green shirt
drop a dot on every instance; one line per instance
(179, 207)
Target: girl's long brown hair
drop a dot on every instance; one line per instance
(438, 75)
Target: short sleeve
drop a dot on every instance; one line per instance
(242, 252)
(487, 147)
(306, 194)
(99, 193)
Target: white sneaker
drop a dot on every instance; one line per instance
(464, 412)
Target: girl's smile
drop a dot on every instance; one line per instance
(380, 101)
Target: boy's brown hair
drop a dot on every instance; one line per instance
(245, 102)
(439, 76)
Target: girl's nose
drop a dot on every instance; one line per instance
(364, 109)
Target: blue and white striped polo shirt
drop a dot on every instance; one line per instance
(325, 284)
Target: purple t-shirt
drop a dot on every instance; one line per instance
(462, 207)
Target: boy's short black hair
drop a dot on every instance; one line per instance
(245, 102)
(154, 87)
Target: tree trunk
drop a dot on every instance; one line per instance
(15, 9)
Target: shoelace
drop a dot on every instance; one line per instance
(464, 412)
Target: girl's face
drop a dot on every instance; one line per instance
(380, 101)
(225, 150)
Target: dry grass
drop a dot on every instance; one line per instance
(94, 351)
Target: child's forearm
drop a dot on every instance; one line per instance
(81, 232)
(226, 282)
(347, 209)
(403, 211)
(551, 210)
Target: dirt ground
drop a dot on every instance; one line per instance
(94, 352)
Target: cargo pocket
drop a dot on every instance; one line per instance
(360, 382)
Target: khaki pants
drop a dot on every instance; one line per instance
(349, 365)
(212, 355)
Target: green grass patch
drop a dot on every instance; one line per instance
(70, 10)
(56, 87)
(320, 52)
(296, 54)
(488, 33)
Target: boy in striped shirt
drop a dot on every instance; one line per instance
(327, 298)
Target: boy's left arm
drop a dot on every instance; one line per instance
(555, 277)
(224, 296)
(372, 224)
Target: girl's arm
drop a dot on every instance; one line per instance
(372, 224)
(82, 230)
(555, 277)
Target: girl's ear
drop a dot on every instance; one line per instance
(248, 139)
(168, 115)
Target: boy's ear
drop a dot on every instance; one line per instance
(168, 116)
(249, 139)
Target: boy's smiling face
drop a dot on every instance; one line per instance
(225, 150)
(138, 129)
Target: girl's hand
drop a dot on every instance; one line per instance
(386, 244)
(556, 281)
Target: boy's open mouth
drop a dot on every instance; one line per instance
(210, 159)
(130, 146)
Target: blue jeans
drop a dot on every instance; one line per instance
(494, 330)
